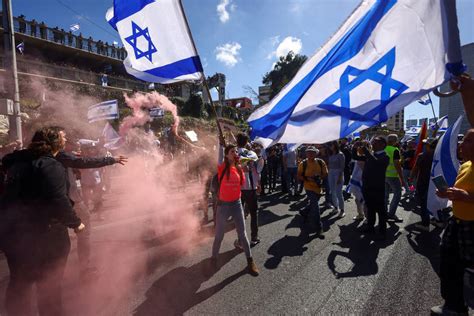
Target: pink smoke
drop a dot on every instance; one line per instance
(138, 102)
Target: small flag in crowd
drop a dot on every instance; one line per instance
(425, 100)
(158, 43)
(386, 55)
(115, 43)
(112, 139)
(441, 124)
(74, 27)
(445, 163)
(156, 112)
(107, 110)
(21, 47)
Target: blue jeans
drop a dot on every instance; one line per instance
(394, 185)
(313, 201)
(336, 188)
(291, 179)
(224, 210)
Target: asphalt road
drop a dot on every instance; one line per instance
(342, 273)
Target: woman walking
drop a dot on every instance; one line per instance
(231, 177)
(336, 163)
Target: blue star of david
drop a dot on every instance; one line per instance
(132, 40)
(346, 86)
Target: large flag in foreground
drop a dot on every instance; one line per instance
(388, 54)
(156, 36)
(445, 163)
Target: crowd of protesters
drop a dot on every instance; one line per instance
(48, 188)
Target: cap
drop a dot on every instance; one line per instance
(312, 149)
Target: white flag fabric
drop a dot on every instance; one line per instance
(107, 110)
(158, 43)
(112, 139)
(442, 122)
(192, 136)
(445, 163)
(385, 56)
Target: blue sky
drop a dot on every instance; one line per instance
(240, 38)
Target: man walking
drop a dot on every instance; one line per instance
(373, 184)
(312, 171)
(250, 185)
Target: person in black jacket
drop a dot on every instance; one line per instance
(36, 213)
(373, 184)
(71, 161)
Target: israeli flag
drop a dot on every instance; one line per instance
(112, 139)
(21, 47)
(425, 100)
(107, 110)
(157, 39)
(442, 123)
(387, 54)
(445, 163)
(74, 27)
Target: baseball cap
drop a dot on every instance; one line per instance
(312, 149)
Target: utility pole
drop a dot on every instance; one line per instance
(10, 67)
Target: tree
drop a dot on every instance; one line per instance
(285, 69)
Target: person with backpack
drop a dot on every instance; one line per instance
(231, 177)
(312, 171)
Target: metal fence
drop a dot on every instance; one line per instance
(67, 38)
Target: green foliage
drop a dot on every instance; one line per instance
(193, 107)
(285, 69)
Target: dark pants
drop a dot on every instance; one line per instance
(422, 199)
(375, 202)
(457, 253)
(312, 210)
(264, 177)
(272, 175)
(249, 202)
(37, 257)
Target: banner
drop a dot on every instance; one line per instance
(107, 110)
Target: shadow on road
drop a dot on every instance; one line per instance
(363, 250)
(177, 291)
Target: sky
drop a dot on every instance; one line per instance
(239, 38)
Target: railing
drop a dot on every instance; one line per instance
(67, 38)
(69, 73)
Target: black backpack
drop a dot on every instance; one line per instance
(216, 183)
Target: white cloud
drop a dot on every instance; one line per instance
(288, 44)
(222, 11)
(228, 53)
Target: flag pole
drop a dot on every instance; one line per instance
(206, 85)
(435, 131)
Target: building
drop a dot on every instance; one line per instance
(453, 106)
(264, 94)
(423, 120)
(243, 103)
(411, 123)
(395, 123)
